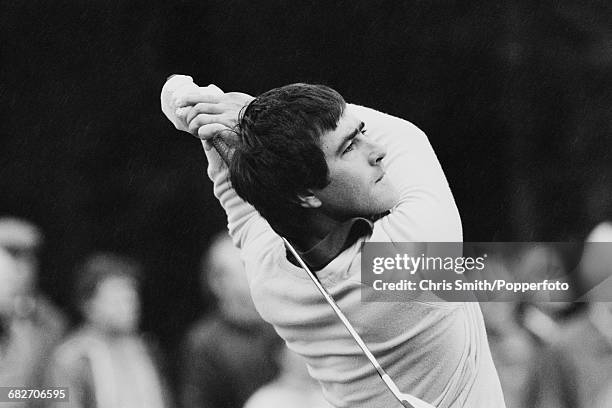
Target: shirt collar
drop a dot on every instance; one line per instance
(327, 249)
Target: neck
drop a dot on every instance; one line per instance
(319, 226)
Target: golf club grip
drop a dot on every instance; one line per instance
(221, 147)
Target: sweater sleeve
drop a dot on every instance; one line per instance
(249, 231)
(426, 210)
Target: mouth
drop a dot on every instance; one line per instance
(381, 177)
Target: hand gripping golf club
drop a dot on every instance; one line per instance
(185, 83)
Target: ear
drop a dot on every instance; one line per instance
(309, 200)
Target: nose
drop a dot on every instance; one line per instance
(377, 153)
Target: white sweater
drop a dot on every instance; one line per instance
(434, 350)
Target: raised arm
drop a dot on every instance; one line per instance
(426, 211)
(204, 114)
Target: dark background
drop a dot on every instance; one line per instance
(515, 98)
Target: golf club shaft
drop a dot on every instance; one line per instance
(330, 300)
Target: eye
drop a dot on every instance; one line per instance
(350, 147)
(363, 130)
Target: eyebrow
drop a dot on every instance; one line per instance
(350, 137)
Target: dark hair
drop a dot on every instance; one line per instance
(98, 267)
(279, 156)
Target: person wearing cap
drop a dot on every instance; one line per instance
(33, 326)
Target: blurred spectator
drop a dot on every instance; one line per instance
(9, 289)
(230, 352)
(106, 363)
(543, 312)
(31, 325)
(293, 388)
(512, 346)
(601, 233)
(576, 370)
(595, 271)
(605, 399)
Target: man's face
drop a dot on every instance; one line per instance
(22, 240)
(115, 305)
(359, 185)
(10, 285)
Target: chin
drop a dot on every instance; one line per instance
(380, 207)
(388, 199)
